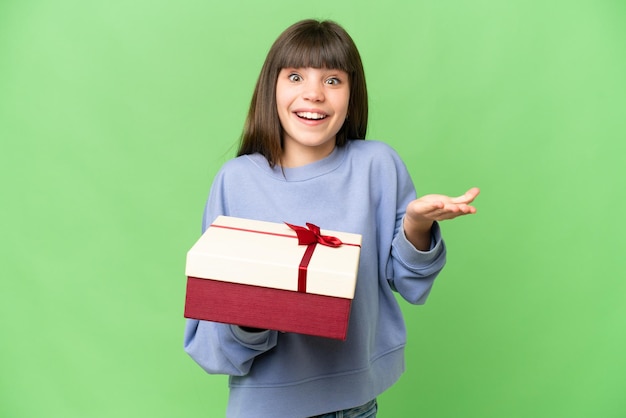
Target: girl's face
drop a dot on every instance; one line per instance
(312, 106)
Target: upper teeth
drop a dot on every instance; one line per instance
(311, 115)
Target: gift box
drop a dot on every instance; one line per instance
(273, 276)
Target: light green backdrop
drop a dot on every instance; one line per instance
(115, 115)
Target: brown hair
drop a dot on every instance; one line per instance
(308, 43)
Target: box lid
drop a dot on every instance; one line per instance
(267, 254)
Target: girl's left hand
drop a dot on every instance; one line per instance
(437, 207)
(422, 212)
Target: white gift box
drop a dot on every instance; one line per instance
(259, 274)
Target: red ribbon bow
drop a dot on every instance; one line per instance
(313, 235)
(310, 237)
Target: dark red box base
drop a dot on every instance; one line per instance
(262, 307)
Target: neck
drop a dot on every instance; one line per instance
(294, 156)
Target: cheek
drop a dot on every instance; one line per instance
(345, 102)
(279, 98)
(280, 108)
(283, 100)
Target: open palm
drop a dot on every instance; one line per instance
(437, 207)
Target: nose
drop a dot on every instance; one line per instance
(313, 91)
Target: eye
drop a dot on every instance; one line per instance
(295, 77)
(333, 81)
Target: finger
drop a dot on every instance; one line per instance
(467, 197)
(447, 215)
(427, 206)
(454, 212)
(427, 211)
(464, 208)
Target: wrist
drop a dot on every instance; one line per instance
(418, 226)
(418, 233)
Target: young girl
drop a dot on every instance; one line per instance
(303, 159)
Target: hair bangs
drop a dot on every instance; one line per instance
(319, 49)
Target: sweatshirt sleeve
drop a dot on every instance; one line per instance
(223, 348)
(414, 271)
(411, 272)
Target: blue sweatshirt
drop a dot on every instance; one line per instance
(364, 188)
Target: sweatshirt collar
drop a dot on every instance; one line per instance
(305, 172)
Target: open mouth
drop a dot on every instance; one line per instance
(311, 115)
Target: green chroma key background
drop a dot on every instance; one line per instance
(115, 116)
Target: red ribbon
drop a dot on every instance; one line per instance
(310, 237)
(313, 235)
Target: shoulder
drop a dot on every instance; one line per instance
(377, 152)
(244, 165)
(381, 163)
(370, 145)
(237, 163)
